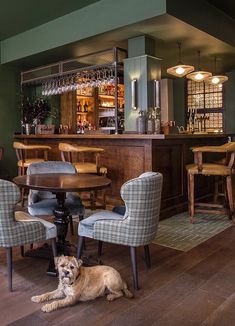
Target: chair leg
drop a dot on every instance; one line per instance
(80, 246)
(9, 268)
(100, 247)
(230, 196)
(71, 224)
(22, 251)
(147, 256)
(134, 267)
(191, 197)
(54, 247)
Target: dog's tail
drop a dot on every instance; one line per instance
(127, 292)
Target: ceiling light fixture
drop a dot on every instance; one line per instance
(216, 79)
(180, 70)
(199, 75)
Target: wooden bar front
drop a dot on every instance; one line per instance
(127, 156)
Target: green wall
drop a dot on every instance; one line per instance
(9, 117)
(179, 101)
(229, 88)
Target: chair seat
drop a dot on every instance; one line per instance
(50, 228)
(209, 169)
(89, 168)
(47, 206)
(86, 226)
(29, 161)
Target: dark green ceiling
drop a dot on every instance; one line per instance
(17, 16)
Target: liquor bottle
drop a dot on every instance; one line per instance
(79, 107)
(85, 107)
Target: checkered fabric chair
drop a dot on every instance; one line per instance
(44, 202)
(134, 226)
(18, 229)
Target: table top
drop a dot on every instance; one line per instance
(62, 182)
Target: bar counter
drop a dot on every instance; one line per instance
(126, 156)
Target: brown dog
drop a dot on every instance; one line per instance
(78, 283)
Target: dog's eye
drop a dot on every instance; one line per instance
(72, 267)
(62, 265)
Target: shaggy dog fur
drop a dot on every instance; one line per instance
(78, 283)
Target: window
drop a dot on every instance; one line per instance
(205, 103)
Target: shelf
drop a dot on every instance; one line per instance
(107, 128)
(109, 96)
(107, 116)
(84, 96)
(106, 107)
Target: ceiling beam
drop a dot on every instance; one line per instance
(98, 18)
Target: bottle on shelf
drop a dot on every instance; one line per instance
(79, 107)
(85, 107)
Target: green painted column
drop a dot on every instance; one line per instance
(145, 68)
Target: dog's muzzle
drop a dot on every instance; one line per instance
(66, 273)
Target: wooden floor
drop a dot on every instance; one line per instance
(192, 288)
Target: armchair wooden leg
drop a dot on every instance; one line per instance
(80, 246)
(147, 256)
(54, 247)
(100, 247)
(9, 267)
(134, 267)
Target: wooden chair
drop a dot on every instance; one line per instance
(27, 154)
(85, 160)
(78, 155)
(223, 169)
(25, 158)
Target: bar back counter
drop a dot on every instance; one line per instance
(126, 156)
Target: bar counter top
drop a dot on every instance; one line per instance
(123, 136)
(128, 155)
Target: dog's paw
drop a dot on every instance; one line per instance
(47, 308)
(110, 297)
(37, 298)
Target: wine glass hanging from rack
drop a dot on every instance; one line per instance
(78, 81)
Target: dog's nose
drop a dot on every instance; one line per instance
(66, 273)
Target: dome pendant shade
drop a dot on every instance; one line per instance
(217, 79)
(180, 70)
(199, 76)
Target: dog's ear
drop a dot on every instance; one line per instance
(57, 260)
(77, 262)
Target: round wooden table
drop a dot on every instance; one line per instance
(60, 183)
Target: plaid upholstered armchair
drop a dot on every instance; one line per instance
(18, 229)
(135, 225)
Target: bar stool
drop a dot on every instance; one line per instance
(225, 170)
(81, 157)
(24, 154)
(77, 155)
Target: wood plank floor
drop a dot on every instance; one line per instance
(192, 288)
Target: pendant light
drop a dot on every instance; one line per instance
(216, 79)
(199, 75)
(180, 70)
